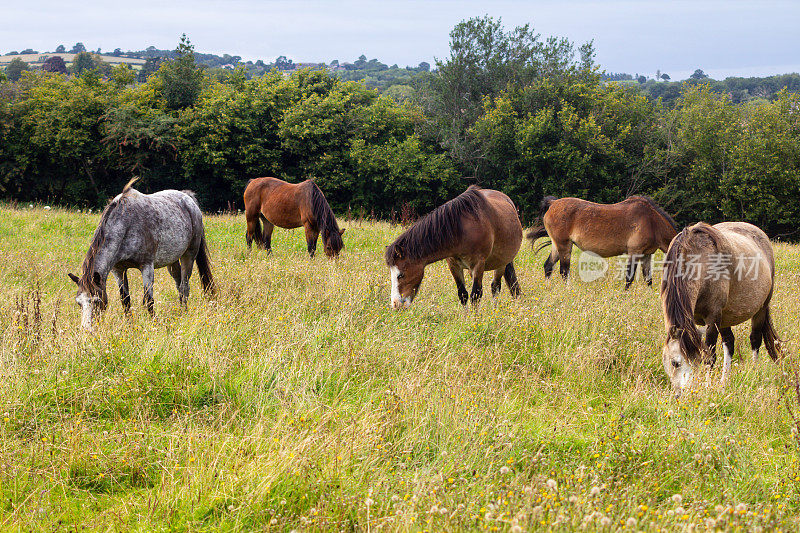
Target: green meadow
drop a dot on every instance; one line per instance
(296, 399)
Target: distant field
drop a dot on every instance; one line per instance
(36, 59)
(297, 400)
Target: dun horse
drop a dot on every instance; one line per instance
(479, 230)
(718, 276)
(636, 226)
(143, 231)
(286, 205)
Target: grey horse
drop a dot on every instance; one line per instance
(143, 231)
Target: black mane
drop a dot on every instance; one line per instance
(326, 220)
(439, 228)
(87, 275)
(659, 210)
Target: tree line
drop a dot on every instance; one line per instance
(507, 109)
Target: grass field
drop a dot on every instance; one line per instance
(297, 399)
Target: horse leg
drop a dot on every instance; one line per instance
(458, 275)
(757, 331)
(647, 269)
(186, 265)
(175, 271)
(497, 282)
(311, 239)
(511, 280)
(712, 333)
(727, 347)
(253, 229)
(564, 258)
(477, 283)
(630, 271)
(266, 235)
(148, 278)
(124, 292)
(551, 260)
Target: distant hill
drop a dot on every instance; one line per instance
(36, 60)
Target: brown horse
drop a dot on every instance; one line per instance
(288, 205)
(479, 230)
(637, 226)
(718, 276)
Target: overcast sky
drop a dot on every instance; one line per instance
(723, 37)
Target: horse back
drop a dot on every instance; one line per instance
(280, 202)
(630, 226)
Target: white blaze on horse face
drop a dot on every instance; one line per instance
(85, 301)
(678, 368)
(397, 301)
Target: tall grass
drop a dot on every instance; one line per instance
(297, 400)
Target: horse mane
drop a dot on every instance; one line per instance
(676, 291)
(438, 228)
(86, 280)
(326, 220)
(659, 210)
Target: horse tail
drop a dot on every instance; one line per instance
(204, 267)
(128, 186)
(545, 204)
(538, 232)
(326, 220)
(771, 340)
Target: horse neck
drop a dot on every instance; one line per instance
(103, 255)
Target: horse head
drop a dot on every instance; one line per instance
(91, 297)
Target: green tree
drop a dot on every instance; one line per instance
(60, 49)
(78, 48)
(81, 62)
(698, 75)
(181, 77)
(122, 75)
(485, 60)
(150, 67)
(15, 68)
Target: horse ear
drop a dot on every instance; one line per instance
(73, 277)
(398, 252)
(675, 332)
(341, 231)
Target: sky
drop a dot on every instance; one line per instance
(722, 37)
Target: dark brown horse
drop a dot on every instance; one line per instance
(275, 202)
(717, 276)
(479, 230)
(637, 226)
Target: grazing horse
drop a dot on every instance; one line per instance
(717, 276)
(479, 230)
(143, 231)
(287, 205)
(637, 226)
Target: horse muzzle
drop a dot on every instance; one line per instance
(402, 303)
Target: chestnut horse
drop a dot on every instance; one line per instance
(288, 205)
(718, 276)
(479, 230)
(637, 226)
